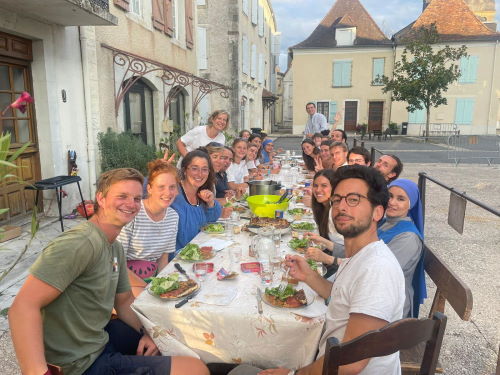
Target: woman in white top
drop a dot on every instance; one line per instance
(203, 135)
(237, 174)
(252, 162)
(149, 239)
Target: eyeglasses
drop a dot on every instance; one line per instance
(198, 170)
(352, 199)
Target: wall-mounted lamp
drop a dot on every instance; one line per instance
(63, 95)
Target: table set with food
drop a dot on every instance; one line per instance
(227, 296)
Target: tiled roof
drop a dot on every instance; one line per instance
(345, 13)
(454, 22)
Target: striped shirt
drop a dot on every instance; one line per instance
(146, 239)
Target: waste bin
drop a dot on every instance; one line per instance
(256, 130)
(404, 128)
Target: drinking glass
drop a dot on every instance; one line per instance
(236, 254)
(266, 271)
(230, 230)
(200, 271)
(235, 217)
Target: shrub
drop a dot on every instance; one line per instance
(124, 150)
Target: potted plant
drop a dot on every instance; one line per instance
(393, 128)
(361, 129)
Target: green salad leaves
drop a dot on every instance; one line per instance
(297, 211)
(281, 294)
(296, 243)
(160, 285)
(303, 226)
(313, 264)
(190, 252)
(214, 228)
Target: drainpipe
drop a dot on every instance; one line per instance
(90, 136)
(491, 87)
(390, 97)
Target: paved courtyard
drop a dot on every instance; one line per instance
(469, 347)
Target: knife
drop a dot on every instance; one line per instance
(259, 300)
(185, 300)
(181, 270)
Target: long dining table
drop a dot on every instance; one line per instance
(222, 322)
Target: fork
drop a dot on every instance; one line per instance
(284, 281)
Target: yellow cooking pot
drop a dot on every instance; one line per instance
(264, 206)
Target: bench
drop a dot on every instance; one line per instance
(449, 288)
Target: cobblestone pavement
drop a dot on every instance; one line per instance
(469, 348)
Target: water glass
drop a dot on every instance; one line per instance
(229, 230)
(235, 253)
(200, 271)
(235, 217)
(266, 271)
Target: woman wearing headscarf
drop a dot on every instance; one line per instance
(402, 230)
(267, 152)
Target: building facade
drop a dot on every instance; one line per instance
(238, 46)
(336, 67)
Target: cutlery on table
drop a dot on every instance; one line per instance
(259, 301)
(181, 270)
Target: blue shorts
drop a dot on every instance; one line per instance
(118, 357)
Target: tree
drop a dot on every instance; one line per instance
(424, 72)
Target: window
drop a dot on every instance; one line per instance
(138, 108)
(253, 66)
(342, 73)
(377, 71)
(261, 68)
(276, 44)
(135, 7)
(332, 113)
(201, 48)
(244, 55)
(464, 111)
(261, 21)
(345, 37)
(468, 69)
(323, 108)
(201, 2)
(254, 11)
(244, 6)
(417, 117)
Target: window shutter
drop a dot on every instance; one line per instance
(337, 74)
(468, 69)
(158, 15)
(253, 64)
(189, 24)
(473, 64)
(244, 54)
(378, 69)
(417, 116)
(168, 17)
(201, 48)
(464, 111)
(254, 12)
(245, 7)
(332, 112)
(261, 21)
(346, 73)
(261, 68)
(122, 4)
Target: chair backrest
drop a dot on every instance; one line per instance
(449, 287)
(402, 334)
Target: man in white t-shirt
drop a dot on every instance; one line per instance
(368, 290)
(316, 122)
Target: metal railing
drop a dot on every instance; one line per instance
(422, 184)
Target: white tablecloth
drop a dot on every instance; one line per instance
(235, 332)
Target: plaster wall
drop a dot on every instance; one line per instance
(61, 126)
(313, 81)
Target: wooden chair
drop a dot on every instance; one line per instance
(402, 334)
(449, 288)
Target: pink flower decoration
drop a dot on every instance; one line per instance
(21, 102)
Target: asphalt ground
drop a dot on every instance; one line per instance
(469, 347)
(415, 150)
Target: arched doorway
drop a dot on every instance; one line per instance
(177, 109)
(138, 107)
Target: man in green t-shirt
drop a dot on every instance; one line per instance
(61, 314)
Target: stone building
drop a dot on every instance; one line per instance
(238, 46)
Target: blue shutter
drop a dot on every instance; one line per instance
(417, 117)
(464, 111)
(464, 70)
(332, 112)
(337, 74)
(468, 69)
(473, 63)
(378, 69)
(346, 73)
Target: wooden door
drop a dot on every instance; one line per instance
(15, 77)
(351, 115)
(375, 115)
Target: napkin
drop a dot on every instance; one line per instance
(217, 243)
(223, 295)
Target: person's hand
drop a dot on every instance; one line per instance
(318, 165)
(207, 196)
(318, 255)
(169, 159)
(229, 194)
(275, 371)
(299, 268)
(307, 200)
(226, 212)
(147, 346)
(314, 237)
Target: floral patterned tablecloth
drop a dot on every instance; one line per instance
(235, 333)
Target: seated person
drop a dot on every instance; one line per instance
(368, 291)
(61, 314)
(324, 153)
(359, 155)
(222, 190)
(317, 139)
(389, 166)
(339, 135)
(267, 152)
(338, 152)
(245, 134)
(149, 239)
(310, 154)
(195, 204)
(403, 231)
(253, 163)
(237, 174)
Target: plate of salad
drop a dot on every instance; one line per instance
(317, 266)
(303, 226)
(288, 298)
(214, 228)
(171, 288)
(194, 253)
(299, 245)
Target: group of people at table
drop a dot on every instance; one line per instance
(370, 228)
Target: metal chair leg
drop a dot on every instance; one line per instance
(83, 202)
(59, 204)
